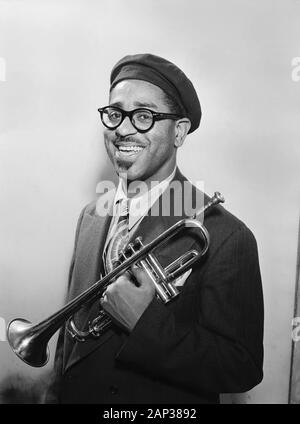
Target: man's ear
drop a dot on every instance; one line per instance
(182, 127)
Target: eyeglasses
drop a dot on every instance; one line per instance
(142, 119)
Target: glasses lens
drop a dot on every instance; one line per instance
(142, 119)
(111, 117)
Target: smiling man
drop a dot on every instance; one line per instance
(144, 146)
(208, 339)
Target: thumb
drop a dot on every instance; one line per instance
(142, 277)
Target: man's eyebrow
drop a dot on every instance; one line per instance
(136, 104)
(116, 104)
(146, 104)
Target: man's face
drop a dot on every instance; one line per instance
(154, 156)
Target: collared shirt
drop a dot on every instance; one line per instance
(136, 208)
(138, 205)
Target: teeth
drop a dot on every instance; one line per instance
(130, 148)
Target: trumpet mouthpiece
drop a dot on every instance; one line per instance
(218, 198)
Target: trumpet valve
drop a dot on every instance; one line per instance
(130, 248)
(173, 290)
(138, 243)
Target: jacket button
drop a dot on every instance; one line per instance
(114, 390)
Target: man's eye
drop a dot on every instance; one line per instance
(143, 116)
(113, 116)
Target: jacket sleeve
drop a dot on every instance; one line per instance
(52, 393)
(221, 350)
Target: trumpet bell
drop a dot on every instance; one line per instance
(30, 342)
(23, 341)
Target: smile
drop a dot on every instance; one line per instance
(134, 149)
(126, 151)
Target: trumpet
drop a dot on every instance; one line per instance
(30, 341)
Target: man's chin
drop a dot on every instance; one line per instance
(131, 174)
(121, 167)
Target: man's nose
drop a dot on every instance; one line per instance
(126, 128)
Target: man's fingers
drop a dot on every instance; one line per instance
(142, 277)
(137, 277)
(114, 315)
(127, 274)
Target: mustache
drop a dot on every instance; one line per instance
(126, 139)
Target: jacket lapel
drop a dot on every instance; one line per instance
(86, 272)
(178, 202)
(166, 211)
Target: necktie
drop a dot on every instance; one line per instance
(119, 238)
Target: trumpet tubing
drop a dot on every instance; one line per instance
(30, 341)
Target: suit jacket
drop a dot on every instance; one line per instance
(209, 340)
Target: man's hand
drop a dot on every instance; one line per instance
(126, 302)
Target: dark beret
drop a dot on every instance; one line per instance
(164, 74)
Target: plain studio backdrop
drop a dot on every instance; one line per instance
(56, 57)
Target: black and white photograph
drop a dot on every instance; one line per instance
(150, 204)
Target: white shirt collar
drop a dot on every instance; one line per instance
(141, 203)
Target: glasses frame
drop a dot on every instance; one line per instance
(157, 116)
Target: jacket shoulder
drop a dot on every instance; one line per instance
(223, 226)
(101, 205)
(90, 208)
(220, 223)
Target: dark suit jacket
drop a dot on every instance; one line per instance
(209, 340)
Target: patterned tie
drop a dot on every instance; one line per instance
(119, 238)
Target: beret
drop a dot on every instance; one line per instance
(165, 75)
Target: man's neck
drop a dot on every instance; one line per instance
(138, 188)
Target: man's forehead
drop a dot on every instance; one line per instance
(142, 93)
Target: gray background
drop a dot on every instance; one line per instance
(58, 56)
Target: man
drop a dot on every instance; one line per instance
(206, 341)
